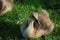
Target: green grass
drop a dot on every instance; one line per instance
(9, 22)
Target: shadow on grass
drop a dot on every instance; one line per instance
(11, 30)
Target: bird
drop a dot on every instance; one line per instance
(5, 6)
(37, 24)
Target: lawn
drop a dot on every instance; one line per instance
(10, 21)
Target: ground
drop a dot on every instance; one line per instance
(10, 21)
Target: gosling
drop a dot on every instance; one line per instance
(5, 6)
(37, 25)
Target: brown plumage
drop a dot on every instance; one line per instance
(5, 5)
(37, 24)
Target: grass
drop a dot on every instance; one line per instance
(9, 22)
